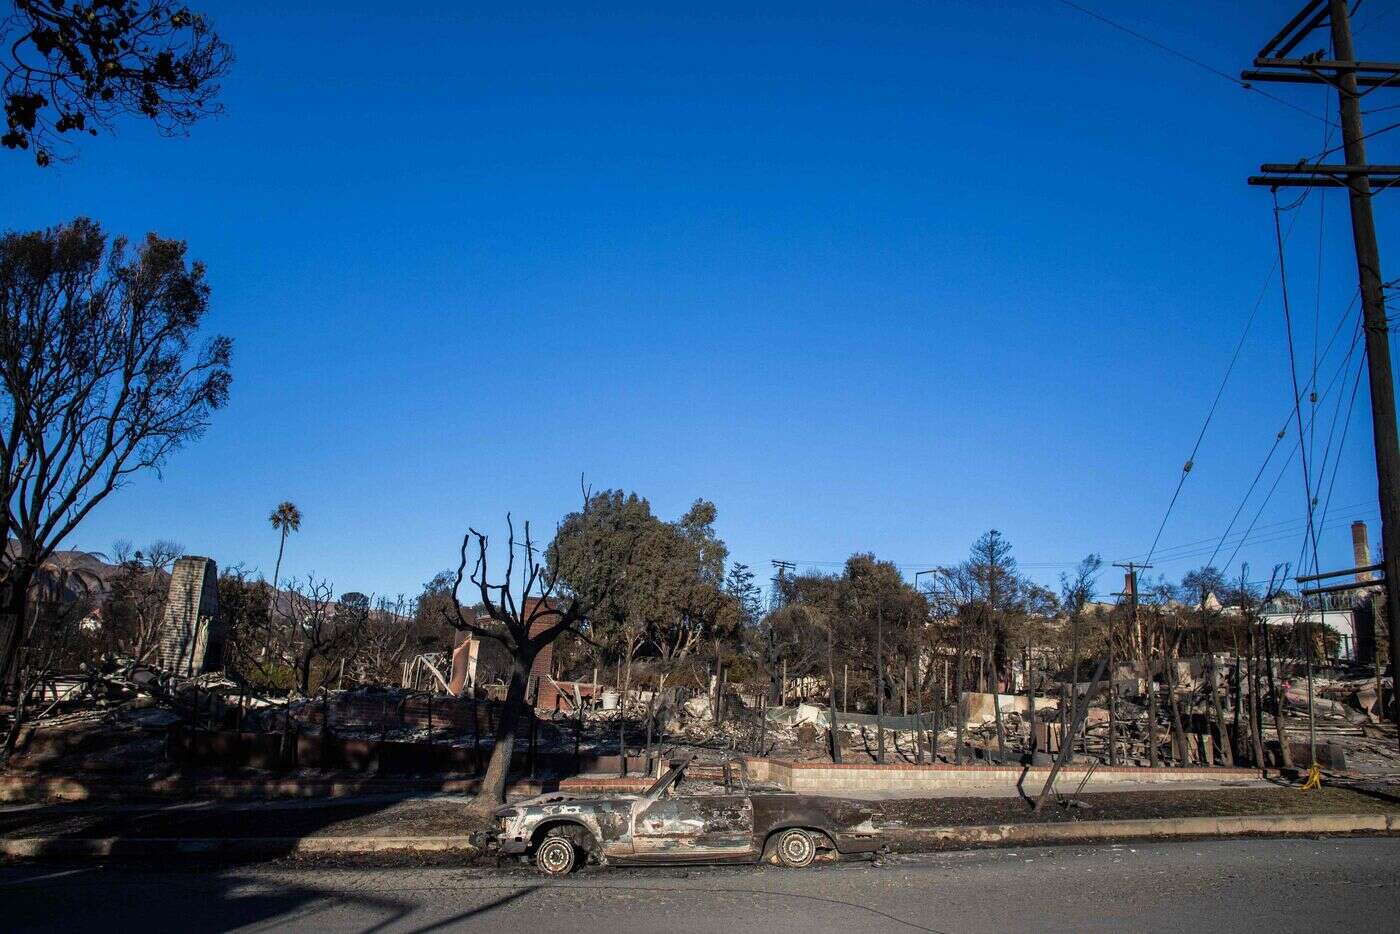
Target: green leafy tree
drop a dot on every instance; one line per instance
(739, 584)
(608, 556)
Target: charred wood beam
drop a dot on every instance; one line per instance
(1302, 77)
(1305, 180)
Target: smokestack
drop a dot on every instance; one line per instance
(1361, 550)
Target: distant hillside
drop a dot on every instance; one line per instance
(73, 575)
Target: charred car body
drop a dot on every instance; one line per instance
(660, 826)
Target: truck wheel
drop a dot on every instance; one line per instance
(796, 849)
(556, 855)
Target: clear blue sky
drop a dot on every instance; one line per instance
(868, 276)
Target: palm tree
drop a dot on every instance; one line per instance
(285, 518)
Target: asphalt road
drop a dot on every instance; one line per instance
(1350, 884)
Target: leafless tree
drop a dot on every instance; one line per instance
(318, 632)
(135, 607)
(524, 621)
(381, 631)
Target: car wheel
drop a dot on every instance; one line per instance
(796, 849)
(556, 856)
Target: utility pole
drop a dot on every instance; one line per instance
(780, 571)
(1131, 583)
(1345, 73)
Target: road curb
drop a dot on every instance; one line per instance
(910, 839)
(903, 839)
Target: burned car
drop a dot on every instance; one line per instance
(663, 826)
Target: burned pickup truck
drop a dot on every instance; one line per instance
(664, 826)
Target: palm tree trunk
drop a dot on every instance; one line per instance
(277, 569)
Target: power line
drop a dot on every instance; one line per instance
(905, 566)
(1189, 59)
(1342, 368)
(1225, 537)
(1219, 392)
(1168, 553)
(1259, 534)
(1346, 427)
(1293, 375)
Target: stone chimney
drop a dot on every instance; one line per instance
(1361, 550)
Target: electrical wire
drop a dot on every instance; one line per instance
(1279, 436)
(1346, 427)
(1356, 385)
(1170, 553)
(1255, 535)
(1338, 148)
(1293, 373)
(1187, 58)
(1215, 403)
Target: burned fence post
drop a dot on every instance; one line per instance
(578, 727)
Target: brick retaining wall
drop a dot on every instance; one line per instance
(828, 778)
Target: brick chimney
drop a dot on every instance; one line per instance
(1361, 550)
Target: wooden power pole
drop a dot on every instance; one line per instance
(1347, 74)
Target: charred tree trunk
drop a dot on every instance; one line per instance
(919, 715)
(831, 697)
(995, 685)
(14, 611)
(1183, 752)
(1222, 737)
(1285, 757)
(1030, 702)
(1074, 678)
(492, 792)
(957, 699)
(1152, 752)
(1256, 719)
(1112, 699)
(1238, 705)
(880, 686)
